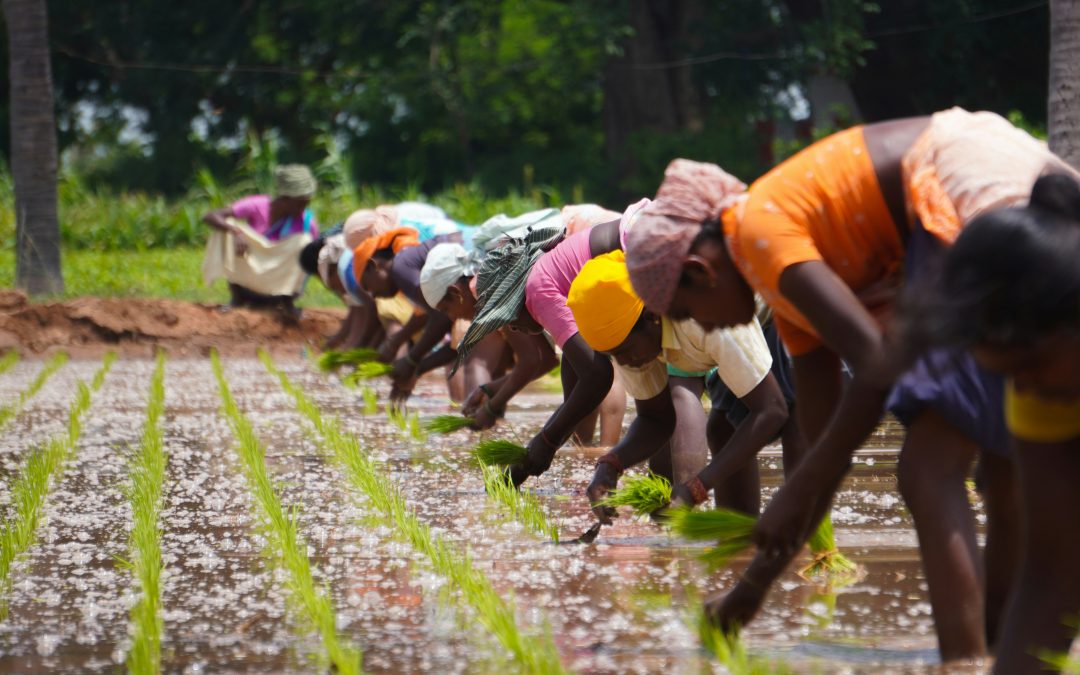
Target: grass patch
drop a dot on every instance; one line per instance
(31, 486)
(643, 493)
(828, 563)
(289, 548)
(447, 424)
(731, 530)
(494, 452)
(9, 360)
(8, 412)
(524, 506)
(534, 654)
(147, 471)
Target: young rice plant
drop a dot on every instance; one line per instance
(9, 360)
(524, 506)
(8, 412)
(643, 493)
(494, 452)
(730, 530)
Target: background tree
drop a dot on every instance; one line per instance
(33, 148)
(1064, 101)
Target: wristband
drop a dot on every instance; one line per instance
(547, 441)
(486, 388)
(698, 491)
(611, 460)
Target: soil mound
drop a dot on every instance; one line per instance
(134, 327)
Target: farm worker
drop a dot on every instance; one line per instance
(613, 320)
(823, 238)
(1010, 293)
(257, 241)
(448, 284)
(523, 285)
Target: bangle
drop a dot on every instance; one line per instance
(612, 460)
(486, 388)
(547, 441)
(698, 491)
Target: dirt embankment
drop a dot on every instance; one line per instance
(135, 327)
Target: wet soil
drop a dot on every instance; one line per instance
(616, 606)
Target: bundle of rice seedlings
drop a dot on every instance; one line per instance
(731, 530)
(367, 371)
(503, 453)
(332, 360)
(643, 493)
(828, 562)
(447, 424)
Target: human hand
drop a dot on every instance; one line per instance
(386, 351)
(476, 399)
(400, 392)
(404, 369)
(484, 418)
(781, 529)
(604, 481)
(537, 460)
(732, 610)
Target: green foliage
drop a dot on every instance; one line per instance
(828, 562)
(447, 424)
(644, 493)
(536, 654)
(371, 401)
(30, 487)
(8, 412)
(331, 360)
(523, 506)
(731, 530)
(494, 452)
(147, 472)
(289, 547)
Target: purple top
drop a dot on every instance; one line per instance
(255, 211)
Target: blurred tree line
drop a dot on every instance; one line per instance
(596, 94)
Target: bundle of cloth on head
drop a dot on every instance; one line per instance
(330, 253)
(501, 228)
(429, 221)
(500, 281)
(603, 301)
(580, 217)
(294, 180)
(396, 239)
(445, 264)
(691, 194)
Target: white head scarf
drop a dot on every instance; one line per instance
(329, 254)
(446, 263)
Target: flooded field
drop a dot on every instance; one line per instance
(618, 605)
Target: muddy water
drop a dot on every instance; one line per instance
(615, 606)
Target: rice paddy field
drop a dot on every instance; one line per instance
(246, 515)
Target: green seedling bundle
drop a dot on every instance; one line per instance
(331, 360)
(289, 547)
(367, 371)
(447, 424)
(524, 506)
(643, 493)
(147, 473)
(8, 412)
(494, 452)
(535, 654)
(829, 563)
(731, 530)
(31, 485)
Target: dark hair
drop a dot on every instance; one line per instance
(711, 230)
(1012, 276)
(309, 256)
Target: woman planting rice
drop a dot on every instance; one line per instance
(612, 319)
(822, 238)
(1010, 292)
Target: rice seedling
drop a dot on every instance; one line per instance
(447, 424)
(524, 506)
(367, 371)
(371, 401)
(643, 493)
(31, 486)
(288, 545)
(8, 412)
(9, 360)
(147, 471)
(499, 452)
(416, 431)
(331, 360)
(730, 649)
(836, 568)
(535, 654)
(731, 530)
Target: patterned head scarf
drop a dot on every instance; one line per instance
(445, 264)
(396, 240)
(500, 228)
(293, 180)
(692, 193)
(367, 223)
(500, 283)
(604, 304)
(329, 254)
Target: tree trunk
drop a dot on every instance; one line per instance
(1063, 105)
(33, 148)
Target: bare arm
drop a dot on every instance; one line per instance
(217, 218)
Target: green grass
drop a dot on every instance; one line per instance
(523, 506)
(147, 472)
(289, 548)
(499, 453)
(8, 412)
(534, 654)
(643, 493)
(447, 424)
(9, 360)
(154, 273)
(31, 486)
(730, 530)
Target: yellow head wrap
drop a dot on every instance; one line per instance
(604, 304)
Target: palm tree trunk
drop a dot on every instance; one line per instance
(33, 148)
(1063, 105)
